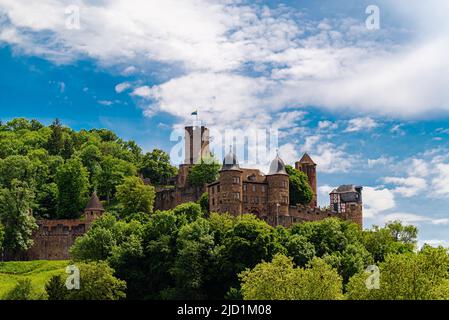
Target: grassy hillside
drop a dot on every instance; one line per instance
(39, 272)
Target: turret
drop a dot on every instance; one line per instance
(231, 185)
(94, 208)
(278, 191)
(308, 166)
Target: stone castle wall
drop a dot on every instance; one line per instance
(53, 238)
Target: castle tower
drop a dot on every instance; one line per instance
(278, 192)
(231, 185)
(347, 201)
(196, 144)
(308, 166)
(94, 208)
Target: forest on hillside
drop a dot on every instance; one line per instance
(189, 252)
(50, 172)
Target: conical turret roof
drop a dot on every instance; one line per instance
(94, 204)
(306, 159)
(277, 166)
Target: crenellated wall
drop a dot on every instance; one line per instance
(53, 238)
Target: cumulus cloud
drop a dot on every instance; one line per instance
(377, 200)
(360, 124)
(230, 56)
(411, 218)
(407, 187)
(121, 87)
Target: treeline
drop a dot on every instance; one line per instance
(50, 171)
(187, 254)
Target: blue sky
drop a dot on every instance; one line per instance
(370, 106)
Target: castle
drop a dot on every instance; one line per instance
(237, 191)
(243, 190)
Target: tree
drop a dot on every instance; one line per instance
(56, 141)
(2, 236)
(73, 188)
(105, 236)
(22, 291)
(203, 201)
(56, 288)
(156, 166)
(97, 282)
(204, 173)
(16, 167)
(16, 217)
(407, 276)
(112, 173)
(301, 250)
(393, 238)
(280, 280)
(300, 190)
(134, 196)
(339, 243)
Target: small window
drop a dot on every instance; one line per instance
(254, 188)
(245, 199)
(245, 187)
(263, 188)
(236, 180)
(257, 200)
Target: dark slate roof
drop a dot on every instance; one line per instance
(230, 162)
(306, 159)
(277, 166)
(345, 188)
(94, 204)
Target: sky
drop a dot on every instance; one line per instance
(371, 106)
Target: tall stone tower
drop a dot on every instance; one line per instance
(196, 148)
(231, 185)
(308, 166)
(196, 144)
(278, 191)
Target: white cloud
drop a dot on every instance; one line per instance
(433, 243)
(121, 87)
(411, 218)
(407, 187)
(440, 182)
(333, 64)
(360, 124)
(377, 200)
(381, 161)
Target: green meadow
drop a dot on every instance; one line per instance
(39, 272)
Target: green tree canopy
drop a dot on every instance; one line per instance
(73, 189)
(16, 217)
(97, 282)
(280, 280)
(300, 190)
(156, 166)
(203, 173)
(135, 197)
(407, 276)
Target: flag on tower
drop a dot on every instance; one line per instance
(195, 113)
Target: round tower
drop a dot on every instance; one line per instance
(231, 185)
(94, 208)
(278, 192)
